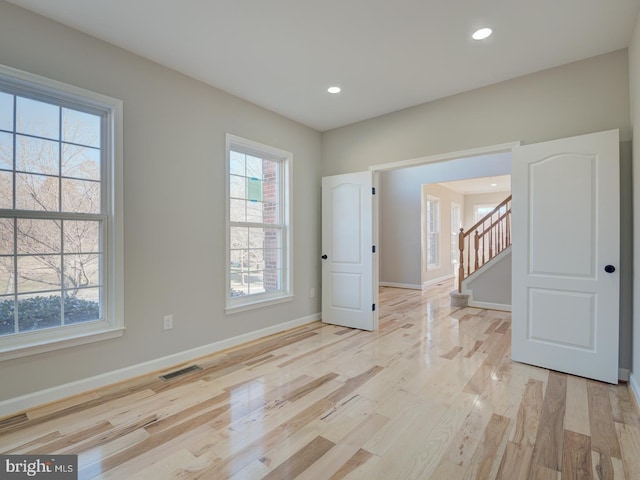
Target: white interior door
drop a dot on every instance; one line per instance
(347, 259)
(565, 234)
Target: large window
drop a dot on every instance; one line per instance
(259, 266)
(58, 230)
(433, 232)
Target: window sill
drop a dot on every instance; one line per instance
(258, 304)
(47, 345)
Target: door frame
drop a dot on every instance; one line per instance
(417, 162)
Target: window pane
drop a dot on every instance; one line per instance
(36, 192)
(37, 156)
(254, 167)
(80, 196)
(238, 272)
(81, 236)
(36, 312)
(81, 271)
(272, 258)
(237, 163)
(270, 213)
(6, 111)
(237, 210)
(254, 212)
(256, 259)
(256, 237)
(7, 316)
(7, 275)
(37, 118)
(80, 127)
(238, 260)
(38, 236)
(254, 189)
(272, 280)
(239, 238)
(39, 273)
(6, 151)
(256, 282)
(6, 237)
(82, 306)
(237, 186)
(271, 186)
(80, 162)
(6, 190)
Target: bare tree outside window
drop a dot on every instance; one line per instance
(258, 223)
(50, 215)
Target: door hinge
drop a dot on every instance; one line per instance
(373, 190)
(373, 249)
(373, 307)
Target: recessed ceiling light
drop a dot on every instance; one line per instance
(494, 184)
(334, 89)
(482, 33)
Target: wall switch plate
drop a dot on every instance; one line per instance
(168, 322)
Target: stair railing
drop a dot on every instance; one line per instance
(491, 235)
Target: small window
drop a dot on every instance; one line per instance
(60, 235)
(481, 211)
(259, 266)
(433, 232)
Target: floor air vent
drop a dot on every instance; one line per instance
(182, 371)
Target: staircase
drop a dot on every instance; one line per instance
(485, 260)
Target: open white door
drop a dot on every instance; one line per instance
(347, 259)
(565, 255)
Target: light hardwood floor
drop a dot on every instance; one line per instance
(432, 394)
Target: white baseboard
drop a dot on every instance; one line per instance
(435, 281)
(24, 402)
(400, 285)
(489, 306)
(623, 374)
(634, 386)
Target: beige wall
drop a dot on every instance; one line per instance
(446, 197)
(634, 86)
(582, 97)
(174, 214)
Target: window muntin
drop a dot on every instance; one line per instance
(258, 233)
(60, 233)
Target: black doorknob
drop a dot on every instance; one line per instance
(324, 257)
(609, 269)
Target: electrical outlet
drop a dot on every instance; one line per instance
(312, 293)
(168, 322)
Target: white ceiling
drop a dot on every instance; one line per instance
(481, 185)
(386, 55)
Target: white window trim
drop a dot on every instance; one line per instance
(436, 200)
(40, 341)
(250, 302)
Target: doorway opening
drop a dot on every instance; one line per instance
(417, 197)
